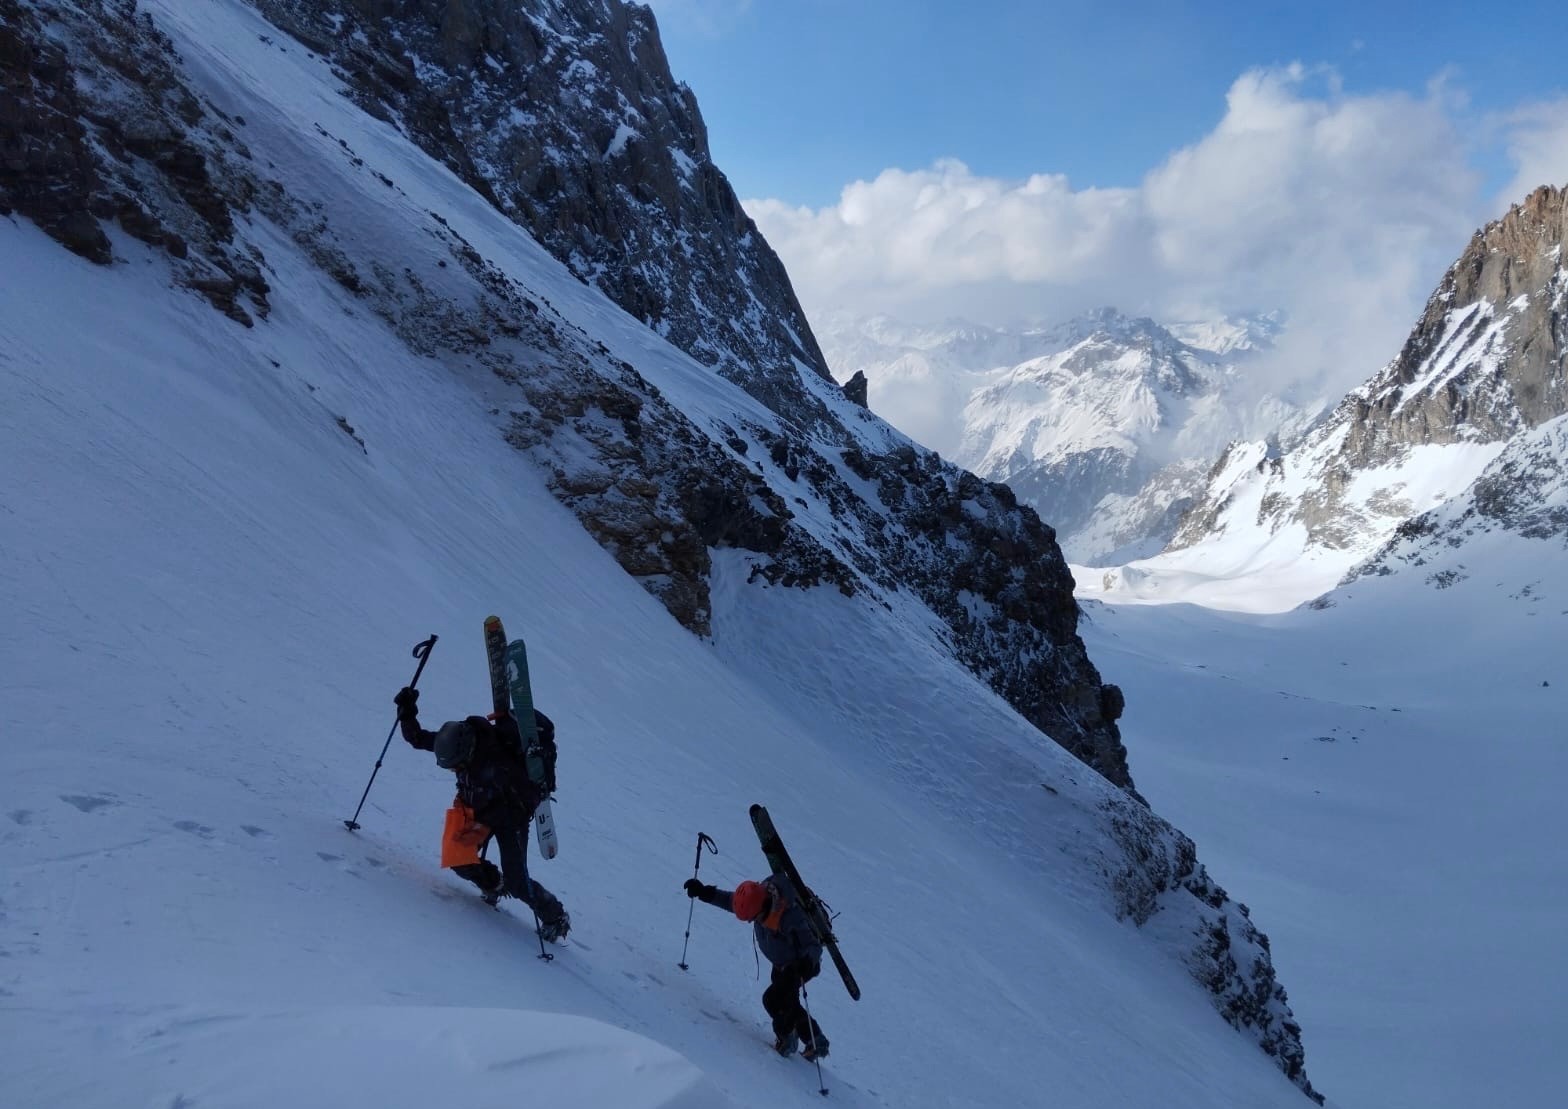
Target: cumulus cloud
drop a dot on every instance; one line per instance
(1341, 210)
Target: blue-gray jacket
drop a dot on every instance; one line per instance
(784, 934)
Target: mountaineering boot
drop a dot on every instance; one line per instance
(815, 1049)
(786, 1044)
(556, 927)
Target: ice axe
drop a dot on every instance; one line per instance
(703, 840)
(422, 653)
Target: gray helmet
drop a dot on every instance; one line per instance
(455, 744)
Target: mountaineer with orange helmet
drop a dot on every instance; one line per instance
(784, 934)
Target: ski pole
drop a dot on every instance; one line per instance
(539, 931)
(811, 1025)
(702, 840)
(422, 653)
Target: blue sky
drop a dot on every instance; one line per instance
(802, 96)
(1010, 162)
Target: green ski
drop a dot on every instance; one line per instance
(522, 695)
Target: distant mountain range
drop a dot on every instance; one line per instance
(1107, 424)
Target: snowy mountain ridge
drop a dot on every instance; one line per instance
(1486, 363)
(403, 408)
(1106, 424)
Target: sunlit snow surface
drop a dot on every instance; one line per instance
(211, 590)
(1381, 780)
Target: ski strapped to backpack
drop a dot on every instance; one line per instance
(816, 913)
(533, 751)
(509, 690)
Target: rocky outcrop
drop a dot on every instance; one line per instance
(567, 117)
(1157, 869)
(136, 152)
(858, 389)
(47, 171)
(1489, 356)
(1487, 361)
(1523, 491)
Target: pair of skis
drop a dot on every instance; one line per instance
(513, 696)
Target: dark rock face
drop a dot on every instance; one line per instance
(566, 116)
(133, 152)
(1499, 317)
(1488, 361)
(858, 389)
(46, 169)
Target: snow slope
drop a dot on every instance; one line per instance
(1397, 756)
(220, 544)
(1251, 563)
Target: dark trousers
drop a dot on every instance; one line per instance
(782, 1001)
(511, 840)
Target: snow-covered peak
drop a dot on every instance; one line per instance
(1486, 363)
(1228, 335)
(1104, 422)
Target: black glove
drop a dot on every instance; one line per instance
(695, 888)
(407, 702)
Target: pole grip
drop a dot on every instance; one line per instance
(703, 839)
(422, 653)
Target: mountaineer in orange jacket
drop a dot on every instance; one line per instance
(493, 785)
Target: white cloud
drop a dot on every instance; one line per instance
(1342, 210)
(1537, 142)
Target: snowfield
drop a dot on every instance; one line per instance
(1395, 757)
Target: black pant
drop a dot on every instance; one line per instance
(782, 1001)
(511, 840)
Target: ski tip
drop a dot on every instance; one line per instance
(492, 621)
(755, 809)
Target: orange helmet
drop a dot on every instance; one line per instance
(749, 900)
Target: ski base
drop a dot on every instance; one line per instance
(781, 864)
(544, 827)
